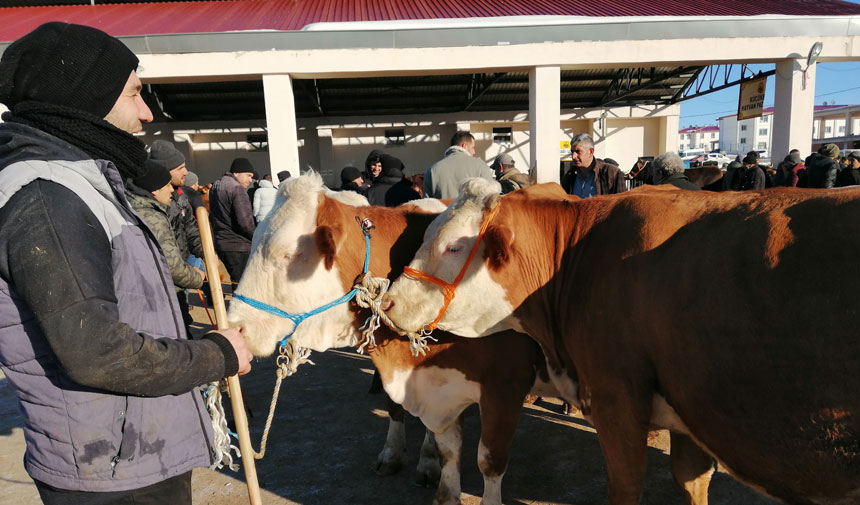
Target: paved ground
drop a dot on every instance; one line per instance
(328, 432)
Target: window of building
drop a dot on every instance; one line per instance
(764, 119)
(827, 130)
(743, 127)
(743, 140)
(395, 136)
(762, 145)
(502, 135)
(701, 145)
(762, 131)
(841, 129)
(713, 134)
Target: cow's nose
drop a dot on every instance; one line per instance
(387, 302)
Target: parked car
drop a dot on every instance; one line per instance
(720, 159)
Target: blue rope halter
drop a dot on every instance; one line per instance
(366, 226)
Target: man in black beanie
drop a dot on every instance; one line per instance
(232, 217)
(92, 336)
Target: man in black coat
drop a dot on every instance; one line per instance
(232, 217)
(391, 188)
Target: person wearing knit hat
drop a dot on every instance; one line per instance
(180, 215)
(351, 180)
(749, 176)
(822, 169)
(232, 217)
(112, 346)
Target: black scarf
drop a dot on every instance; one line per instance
(91, 134)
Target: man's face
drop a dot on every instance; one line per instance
(177, 175)
(581, 156)
(855, 163)
(163, 194)
(245, 178)
(375, 169)
(358, 181)
(130, 111)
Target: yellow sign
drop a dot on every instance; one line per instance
(751, 99)
(565, 150)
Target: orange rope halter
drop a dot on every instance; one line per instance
(448, 290)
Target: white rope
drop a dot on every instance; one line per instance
(370, 292)
(223, 446)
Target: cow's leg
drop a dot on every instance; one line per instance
(390, 460)
(622, 430)
(692, 468)
(428, 469)
(450, 442)
(499, 418)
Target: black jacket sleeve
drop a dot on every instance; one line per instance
(55, 254)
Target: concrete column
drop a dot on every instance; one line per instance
(793, 107)
(848, 132)
(668, 140)
(281, 124)
(329, 172)
(544, 122)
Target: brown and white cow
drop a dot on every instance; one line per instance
(744, 333)
(309, 252)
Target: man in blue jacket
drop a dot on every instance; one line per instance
(90, 330)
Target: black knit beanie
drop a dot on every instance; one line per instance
(64, 64)
(164, 152)
(155, 178)
(349, 174)
(241, 166)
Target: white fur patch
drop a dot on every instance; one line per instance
(430, 205)
(436, 395)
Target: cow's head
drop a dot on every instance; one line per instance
(480, 305)
(291, 268)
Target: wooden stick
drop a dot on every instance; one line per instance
(211, 262)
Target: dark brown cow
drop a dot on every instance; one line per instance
(706, 177)
(745, 336)
(308, 253)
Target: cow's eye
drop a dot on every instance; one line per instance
(453, 248)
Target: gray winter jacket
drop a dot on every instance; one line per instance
(90, 330)
(443, 179)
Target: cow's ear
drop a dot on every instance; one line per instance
(325, 238)
(498, 240)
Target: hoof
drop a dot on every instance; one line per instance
(389, 468)
(426, 480)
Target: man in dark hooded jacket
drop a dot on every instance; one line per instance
(391, 188)
(92, 338)
(823, 167)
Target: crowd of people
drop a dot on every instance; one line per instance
(383, 181)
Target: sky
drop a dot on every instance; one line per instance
(839, 82)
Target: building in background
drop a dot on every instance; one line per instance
(756, 134)
(706, 138)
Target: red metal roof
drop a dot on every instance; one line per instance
(233, 15)
(695, 129)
